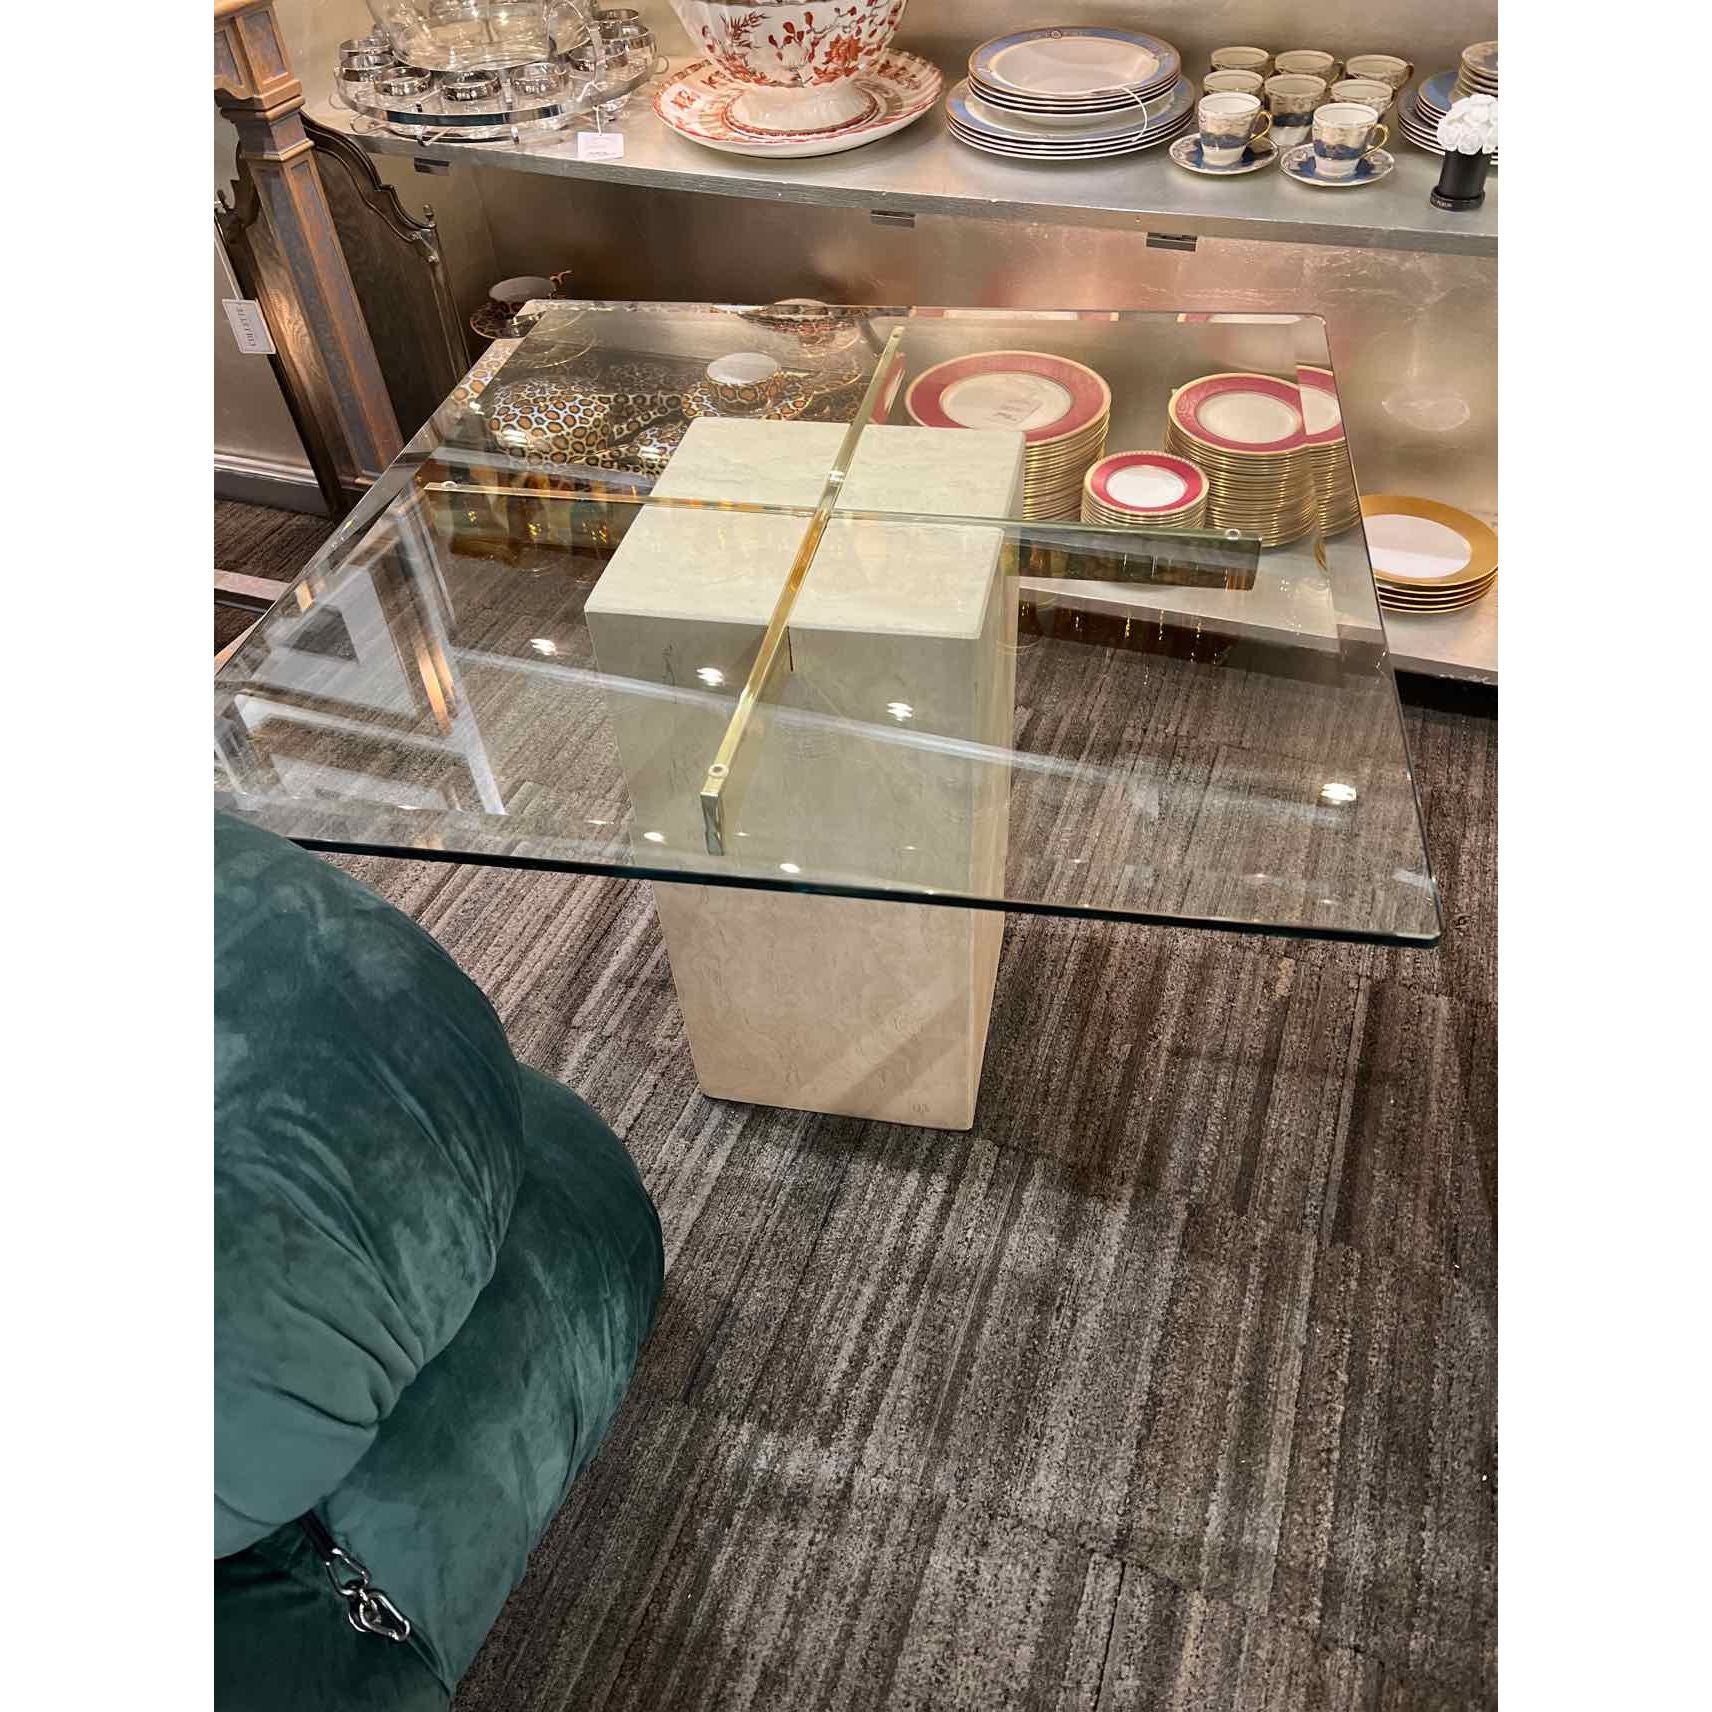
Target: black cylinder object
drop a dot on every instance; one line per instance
(1462, 181)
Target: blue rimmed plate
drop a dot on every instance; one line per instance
(968, 112)
(1067, 66)
(1437, 93)
(985, 142)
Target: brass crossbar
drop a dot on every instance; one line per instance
(724, 785)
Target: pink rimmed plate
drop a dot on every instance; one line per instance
(1254, 414)
(1147, 483)
(1048, 398)
(1322, 409)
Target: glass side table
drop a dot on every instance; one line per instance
(851, 629)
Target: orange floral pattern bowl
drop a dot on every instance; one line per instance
(803, 46)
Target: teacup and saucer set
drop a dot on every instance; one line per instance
(1345, 148)
(1232, 139)
(503, 315)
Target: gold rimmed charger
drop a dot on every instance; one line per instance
(1443, 526)
(1389, 602)
(1423, 597)
(1426, 603)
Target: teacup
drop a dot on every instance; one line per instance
(1232, 83)
(1242, 59)
(505, 300)
(1367, 90)
(797, 63)
(1382, 68)
(1310, 62)
(1291, 99)
(1229, 122)
(744, 382)
(1343, 132)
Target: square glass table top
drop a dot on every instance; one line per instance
(868, 602)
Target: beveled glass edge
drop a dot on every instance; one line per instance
(839, 889)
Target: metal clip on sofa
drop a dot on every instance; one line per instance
(434, 1271)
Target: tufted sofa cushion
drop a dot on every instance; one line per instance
(368, 1151)
(472, 1464)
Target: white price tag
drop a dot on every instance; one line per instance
(248, 327)
(600, 145)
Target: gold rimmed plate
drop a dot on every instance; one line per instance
(1416, 543)
(1395, 605)
(1416, 610)
(1282, 466)
(1448, 597)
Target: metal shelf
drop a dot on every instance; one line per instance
(922, 170)
(1448, 644)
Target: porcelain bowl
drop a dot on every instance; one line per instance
(797, 61)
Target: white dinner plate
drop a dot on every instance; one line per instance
(1074, 63)
(981, 115)
(1100, 151)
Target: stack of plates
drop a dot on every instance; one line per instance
(1145, 490)
(1334, 480)
(1246, 432)
(1479, 72)
(1419, 112)
(1427, 557)
(1071, 94)
(1061, 408)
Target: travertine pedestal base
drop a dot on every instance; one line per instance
(870, 1010)
(880, 758)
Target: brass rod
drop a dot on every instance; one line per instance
(719, 780)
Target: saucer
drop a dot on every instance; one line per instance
(1299, 164)
(489, 323)
(1186, 151)
(696, 103)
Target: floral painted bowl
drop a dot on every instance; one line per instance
(798, 63)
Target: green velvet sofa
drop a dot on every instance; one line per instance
(434, 1271)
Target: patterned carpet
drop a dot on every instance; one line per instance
(1170, 1385)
